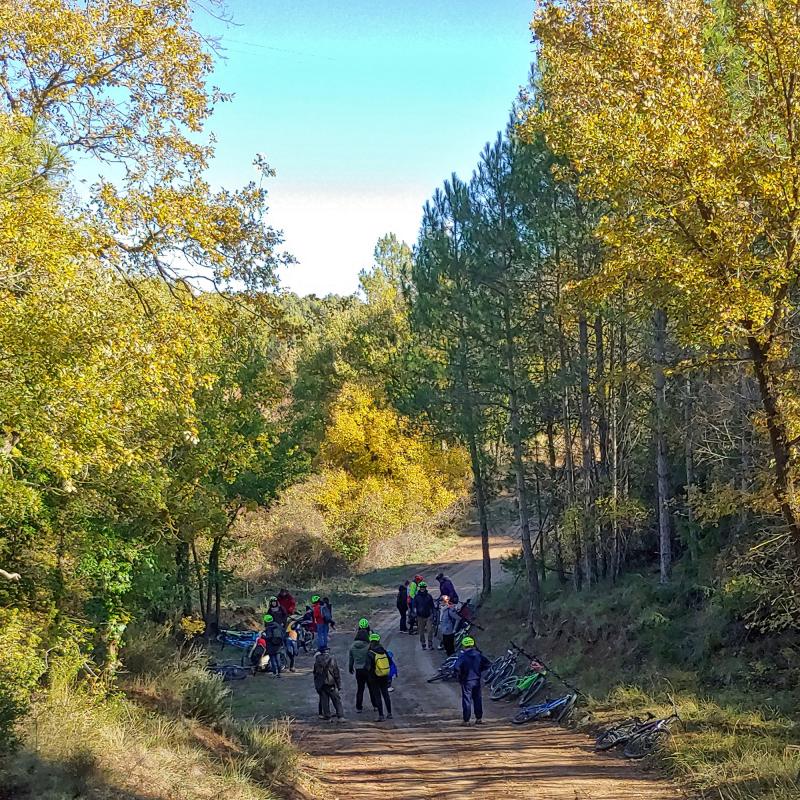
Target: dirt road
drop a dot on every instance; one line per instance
(424, 750)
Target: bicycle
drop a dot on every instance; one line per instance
(446, 672)
(648, 737)
(559, 710)
(229, 672)
(501, 668)
(618, 733)
(526, 686)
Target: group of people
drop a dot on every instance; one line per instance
(421, 614)
(278, 644)
(372, 665)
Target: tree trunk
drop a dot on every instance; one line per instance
(200, 590)
(662, 463)
(212, 587)
(688, 439)
(515, 431)
(587, 454)
(783, 486)
(182, 576)
(480, 499)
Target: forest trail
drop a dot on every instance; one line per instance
(425, 750)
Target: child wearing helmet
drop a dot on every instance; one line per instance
(358, 665)
(469, 668)
(273, 635)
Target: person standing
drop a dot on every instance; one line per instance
(469, 667)
(328, 683)
(448, 621)
(287, 602)
(276, 610)
(446, 587)
(291, 643)
(273, 634)
(358, 665)
(320, 625)
(402, 604)
(378, 669)
(412, 616)
(423, 610)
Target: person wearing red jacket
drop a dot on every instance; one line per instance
(287, 602)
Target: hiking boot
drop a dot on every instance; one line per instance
(479, 722)
(381, 718)
(359, 711)
(341, 719)
(465, 724)
(424, 648)
(390, 689)
(389, 716)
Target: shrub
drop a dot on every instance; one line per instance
(271, 755)
(203, 695)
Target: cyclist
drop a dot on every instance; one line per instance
(328, 683)
(273, 634)
(287, 602)
(276, 611)
(358, 665)
(446, 587)
(378, 669)
(402, 604)
(412, 615)
(424, 609)
(448, 622)
(322, 620)
(469, 667)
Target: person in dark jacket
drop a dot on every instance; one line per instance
(287, 602)
(273, 634)
(402, 604)
(469, 667)
(358, 666)
(446, 587)
(328, 683)
(377, 660)
(277, 612)
(424, 608)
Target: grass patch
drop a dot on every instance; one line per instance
(637, 647)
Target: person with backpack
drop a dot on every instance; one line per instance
(291, 643)
(402, 604)
(316, 612)
(469, 668)
(326, 617)
(358, 665)
(328, 683)
(379, 668)
(448, 622)
(423, 610)
(273, 634)
(446, 588)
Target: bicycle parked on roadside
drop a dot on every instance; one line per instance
(639, 738)
(526, 686)
(559, 710)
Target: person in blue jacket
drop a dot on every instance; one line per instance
(469, 667)
(446, 587)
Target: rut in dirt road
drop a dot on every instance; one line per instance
(426, 751)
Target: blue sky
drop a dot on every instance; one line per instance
(363, 107)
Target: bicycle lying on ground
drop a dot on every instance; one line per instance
(446, 671)
(639, 737)
(241, 640)
(559, 710)
(526, 686)
(502, 667)
(229, 672)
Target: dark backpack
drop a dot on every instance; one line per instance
(327, 616)
(275, 635)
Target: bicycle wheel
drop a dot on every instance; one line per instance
(532, 691)
(614, 737)
(488, 676)
(503, 674)
(504, 689)
(643, 744)
(566, 711)
(439, 676)
(527, 714)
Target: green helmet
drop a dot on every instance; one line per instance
(273, 599)
(422, 585)
(315, 598)
(267, 617)
(374, 637)
(468, 641)
(363, 623)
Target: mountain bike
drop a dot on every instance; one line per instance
(559, 710)
(501, 668)
(526, 686)
(446, 672)
(618, 734)
(229, 672)
(649, 736)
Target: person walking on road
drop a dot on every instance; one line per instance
(448, 621)
(359, 665)
(378, 669)
(446, 587)
(424, 609)
(328, 683)
(273, 635)
(469, 667)
(402, 604)
(322, 619)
